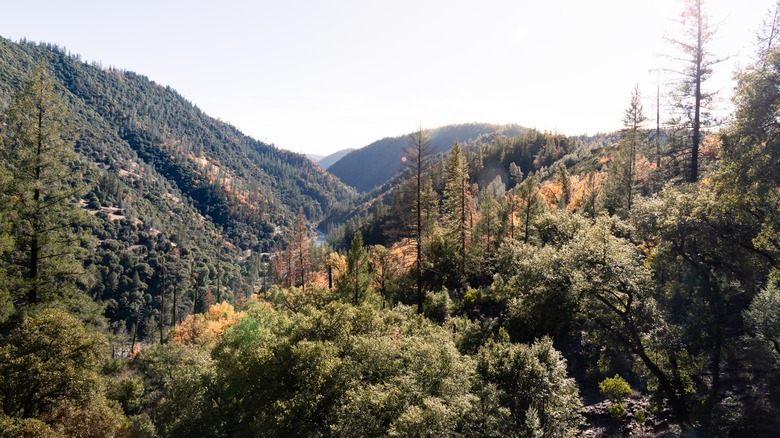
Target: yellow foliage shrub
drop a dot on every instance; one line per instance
(205, 329)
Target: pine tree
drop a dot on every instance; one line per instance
(354, 281)
(457, 201)
(632, 123)
(692, 101)
(531, 204)
(430, 207)
(38, 151)
(619, 194)
(301, 247)
(418, 155)
(512, 201)
(163, 274)
(564, 179)
(489, 224)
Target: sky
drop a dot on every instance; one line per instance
(320, 76)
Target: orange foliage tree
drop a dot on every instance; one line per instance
(205, 329)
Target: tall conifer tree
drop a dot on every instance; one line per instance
(619, 194)
(42, 195)
(531, 204)
(691, 100)
(457, 201)
(302, 247)
(418, 155)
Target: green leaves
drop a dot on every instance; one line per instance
(342, 370)
(615, 389)
(532, 382)
(352, 285)
(763, 318)
(51, 358)
(176, 382)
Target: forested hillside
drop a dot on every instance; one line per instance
(242, 185)
(165, 193)
(500, 157)
(512, 282)
(373, 165)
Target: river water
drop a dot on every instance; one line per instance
(322, 238)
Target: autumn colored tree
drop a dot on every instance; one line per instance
(385, 264)
(204, 329)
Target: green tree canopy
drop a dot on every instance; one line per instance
(48, 360)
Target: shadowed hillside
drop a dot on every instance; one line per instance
(373, 165)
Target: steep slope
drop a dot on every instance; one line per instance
(243, 185)
(373, 165)
(326, 162)
(170, 192)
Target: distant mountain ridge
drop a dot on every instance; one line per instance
(373, 165)
(328, 161)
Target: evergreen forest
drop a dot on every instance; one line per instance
(164, 275)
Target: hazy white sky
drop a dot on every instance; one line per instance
(319, 76)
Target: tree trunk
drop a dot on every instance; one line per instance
(32, 296)
(712, 398)
(162, 304)
(697, 97)
(357, 282)
(219, 253)
(135, 330)
(173, 310)
(464, 182)
(419, 236)
(658, 129)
